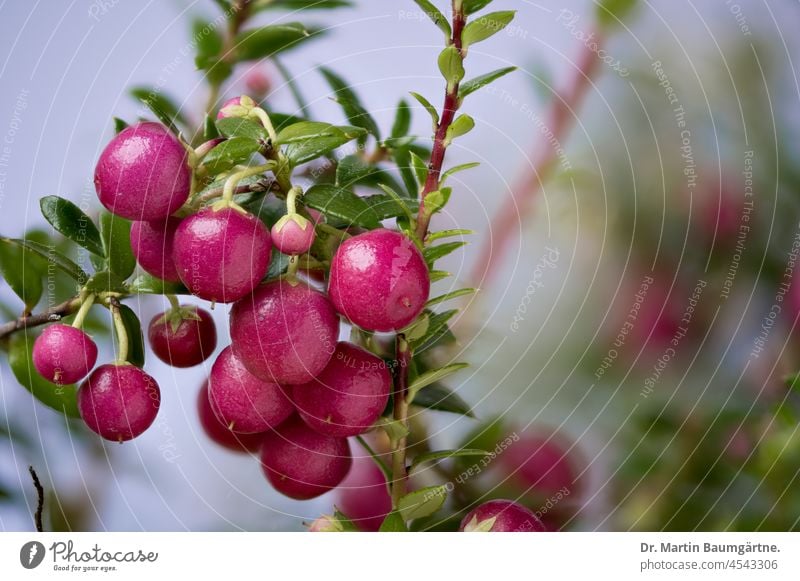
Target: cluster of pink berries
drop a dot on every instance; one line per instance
(286, 383)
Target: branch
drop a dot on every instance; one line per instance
(52, 314)
(512, 213)
(449, 109)
(40, 499)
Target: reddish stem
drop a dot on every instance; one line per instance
(449, 109)
(508, 220)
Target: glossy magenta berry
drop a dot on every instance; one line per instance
(363, 496)
(64, 354)
(152, 244)
(348, 396)
(184, 338)
(379, 280)
(221, 255)
(119, 402)
(293, 234)
(243, 402)
(501, 516)
(302, 463)
(143, 173)
(284, 332)
(219, 432)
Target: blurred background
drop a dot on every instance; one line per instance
(637, 218)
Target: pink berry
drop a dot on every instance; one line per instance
(501, 516)
(221, 255)
(379, 280)
(143, 173)
(119, 402)
(64, 354)
(324, 524)
(257, 82)
(242, 401)
(284, 332)
(152, 244)
(348, 396)
(302, 463)
(219, 432)
(293, 234)
(540, 463)
(183, 342)
(363, 496)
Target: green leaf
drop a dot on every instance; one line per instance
(434, 253)
(436, 200)
(486, 26)
(240, 127)
(135, 337)
(61, 398)
(386, 206)
(451, 65)
(229, 153)
(420, 168)
(612, 12)
(451, 295)
(305, 130)
(164, 108)
(461, 126)
(352, 169)
(116, 236)
(119, 124)
(402, 120)
(149, 284)
(304, 148)
(437, 324)
(402, 158)
(403, 203)
(393, 523)
(270, 40)
(429, 108)
(472, 85)
(208, 41)
(423, 502)
(24, 273)
(70, 221)
(210, 130)
(433, 236)
(351, 105)
(439, 398)
(442, 454)
(394, 429)
(341, 203)
(105, 281)
(472, 6)
(343, 523)
(300, 4)
(431, 377)
(454, 170)
(436, 17)
(437, 275)
(52, 256)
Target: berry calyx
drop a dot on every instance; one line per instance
(183, 337)
(284, 332)
(243, 402)
(501, 516)
(219, 432)
(152, 244)
(240, 106)
(301, 463)
(119, 402)
(64, 354)
(379, 280)
(143, 173)
(221, 255)
(348, 396)
(293, 234)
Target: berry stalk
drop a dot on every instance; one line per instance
(399, 471)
